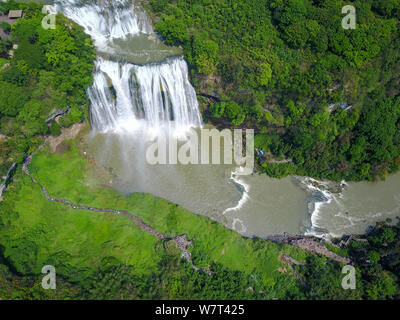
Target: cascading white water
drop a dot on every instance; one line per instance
(123, 93)
(167, 94)
(105, 20)
(158, 95)
(161, 94)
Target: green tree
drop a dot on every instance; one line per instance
(205, 54)
(265, 75)
(173, 29)
(12, 98)
(5, 26)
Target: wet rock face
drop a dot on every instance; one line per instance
(318, 248)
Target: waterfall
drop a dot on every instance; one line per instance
(105, 20)
(160, 94)
(124, 95)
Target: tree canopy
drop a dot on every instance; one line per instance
(295, 72)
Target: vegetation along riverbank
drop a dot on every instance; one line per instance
(320, 95)
(60, 209)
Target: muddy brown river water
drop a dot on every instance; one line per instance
(253, 205)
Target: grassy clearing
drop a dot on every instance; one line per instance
(36, 231)
(76, 241)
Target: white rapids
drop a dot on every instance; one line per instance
(105, 20)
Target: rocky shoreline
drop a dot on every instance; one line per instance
(310, 244)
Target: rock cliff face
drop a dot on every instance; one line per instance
(318, 248)
(308, 244)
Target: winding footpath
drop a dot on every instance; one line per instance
(181, 241)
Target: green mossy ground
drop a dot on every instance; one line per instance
(36, 232)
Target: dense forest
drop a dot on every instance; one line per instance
(377, 263)
(42, 72)
(321, 98)
(377, 266)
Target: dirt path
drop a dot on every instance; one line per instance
(66, 134)
(288, 260)
(181, 241)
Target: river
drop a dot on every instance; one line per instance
(142, 85)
